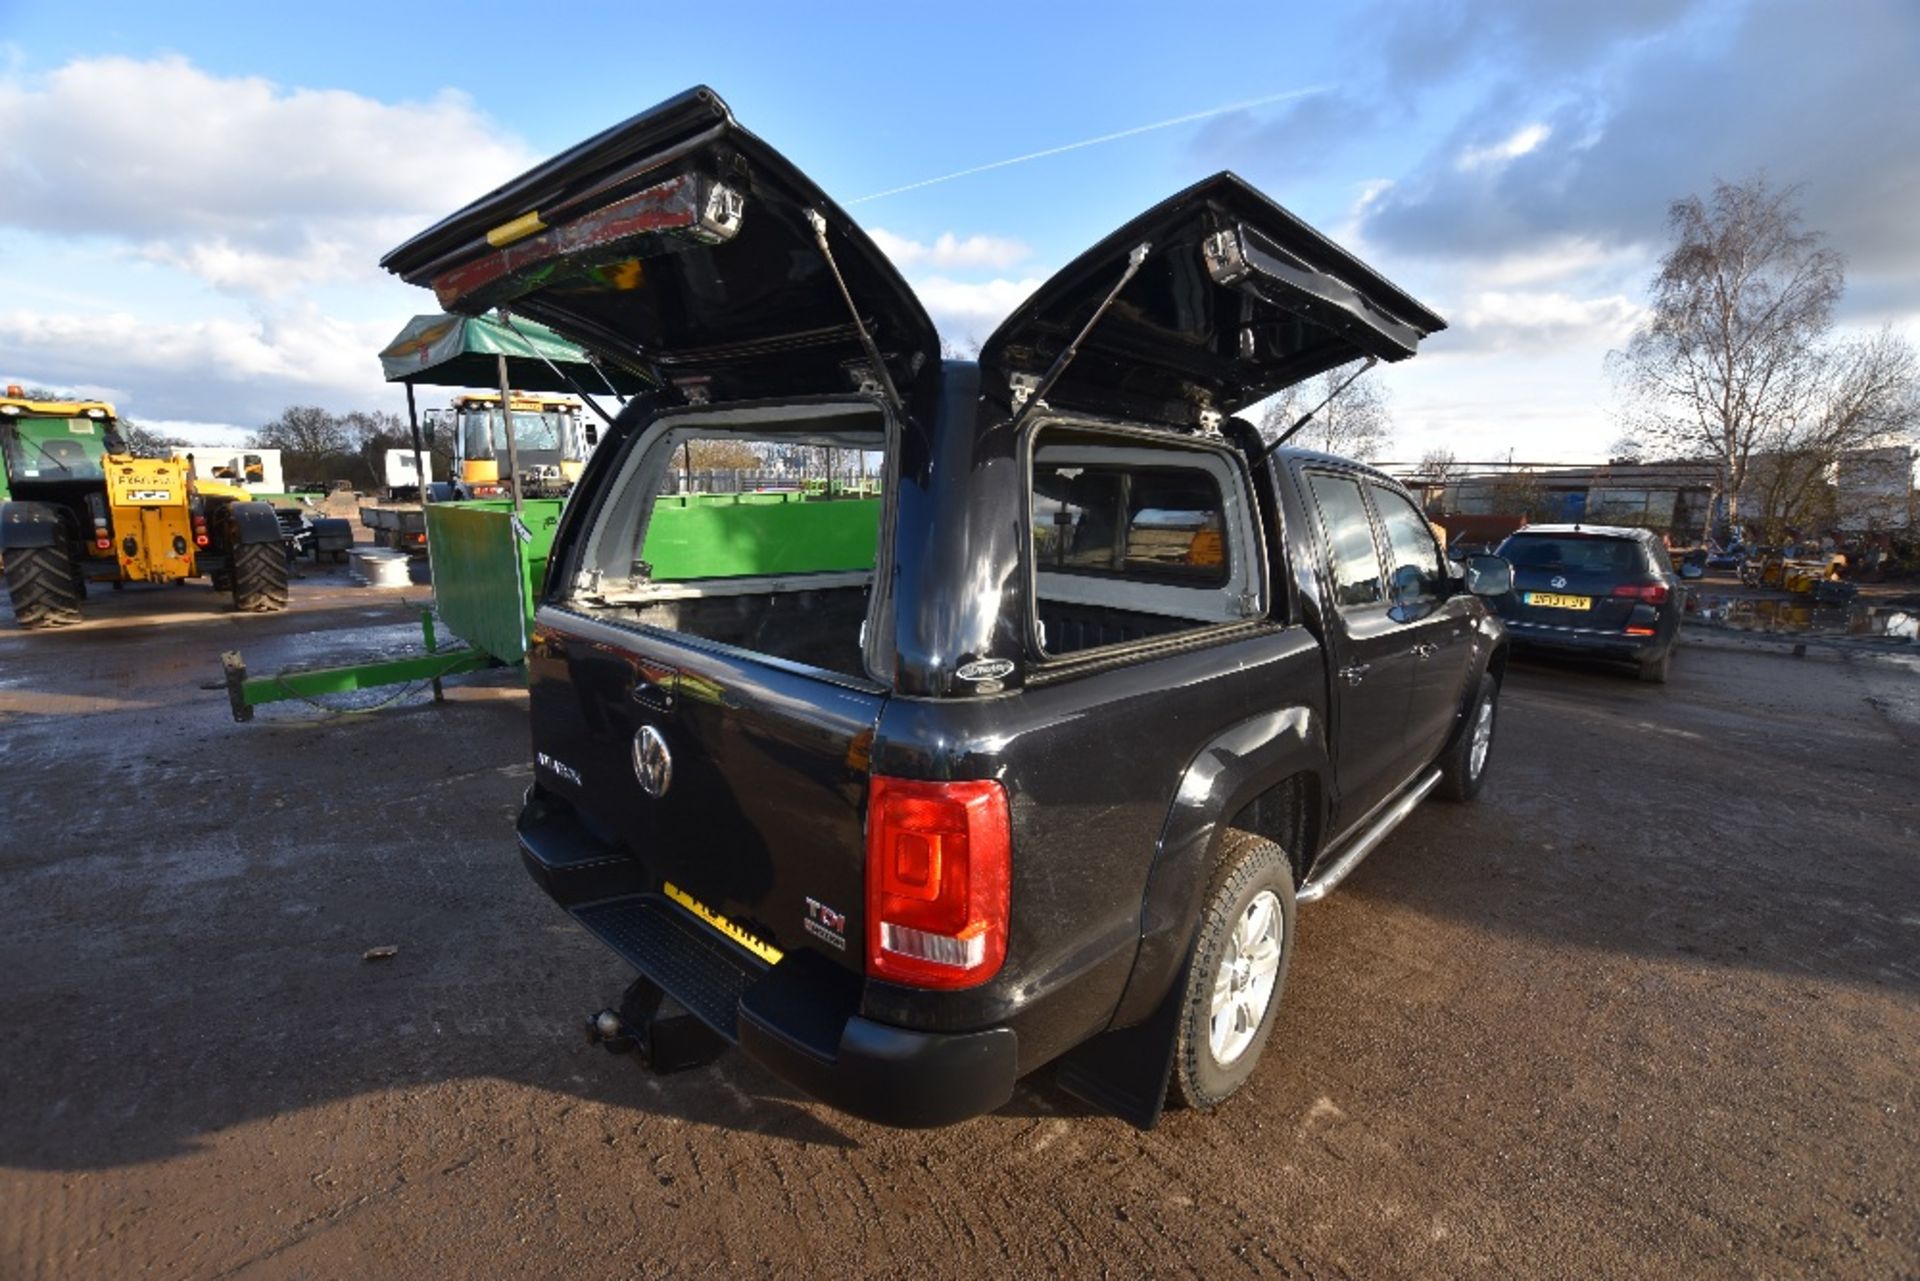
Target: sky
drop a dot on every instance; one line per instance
(194, 198)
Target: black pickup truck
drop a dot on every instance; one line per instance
(1022, 749)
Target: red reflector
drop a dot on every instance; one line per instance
(1652, 593)
(938, 866)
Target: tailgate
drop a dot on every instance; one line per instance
(739, 782)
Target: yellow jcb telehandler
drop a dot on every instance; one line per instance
(76, 507)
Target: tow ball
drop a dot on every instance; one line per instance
(655, 1029)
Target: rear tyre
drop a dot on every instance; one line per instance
(259, 578)
(1463, 767)
(43, 585)
(1236, 971)
(1656, 671)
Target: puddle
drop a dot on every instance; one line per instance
(1803, 617)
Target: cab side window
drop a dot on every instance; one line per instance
(1414, 568)
(1353, 560)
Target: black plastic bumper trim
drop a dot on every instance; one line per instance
(798, 1018)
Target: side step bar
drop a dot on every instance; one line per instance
(1391, 817)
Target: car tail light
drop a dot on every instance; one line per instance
(939, 860)
(1642, 631)
(1652, 593)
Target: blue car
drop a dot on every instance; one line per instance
(1604, 591)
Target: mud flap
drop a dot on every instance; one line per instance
(27, 524)
(254, 523)
(1125, 1071)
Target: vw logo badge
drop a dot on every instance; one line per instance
(652, 763)
(1559, 581)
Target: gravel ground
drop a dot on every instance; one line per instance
(1649, 1008)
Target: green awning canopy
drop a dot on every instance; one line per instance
(460, 351)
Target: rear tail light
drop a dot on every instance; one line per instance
(939, 859)
(1642, 631)
(1651, 593)
(199, 530)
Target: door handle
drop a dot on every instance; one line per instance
(1355, 673)
(1424, 650)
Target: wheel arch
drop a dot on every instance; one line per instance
(1270, 768)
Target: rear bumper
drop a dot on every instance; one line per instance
(798, 1018)
(1588, 641)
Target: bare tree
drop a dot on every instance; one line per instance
(1354, 424)
(1729, 359)
(1438, 469)
(1518, 493)
(143, 442)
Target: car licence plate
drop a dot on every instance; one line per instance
(1551, 600)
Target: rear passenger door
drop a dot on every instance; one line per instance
(1372, 659)
(1433, 620)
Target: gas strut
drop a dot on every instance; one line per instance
(885, 379)
(1072, 349)
(1307, 417)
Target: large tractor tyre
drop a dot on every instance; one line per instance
(259, 578)
(1236, 971)
(44, 586)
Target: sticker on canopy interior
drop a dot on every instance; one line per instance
(80, 429)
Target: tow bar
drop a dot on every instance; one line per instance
(656, 1029)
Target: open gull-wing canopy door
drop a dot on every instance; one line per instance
(682, 247)
(1234, 299)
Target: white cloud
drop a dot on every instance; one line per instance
(252, 187)
(949, 252)
(966, 312)
(1493, 155)
(183, 369)
(1535, 321)
(202, 435)
(1561, 259)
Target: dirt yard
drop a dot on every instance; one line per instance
(1650, 1008)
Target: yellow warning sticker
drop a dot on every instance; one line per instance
(765, 951)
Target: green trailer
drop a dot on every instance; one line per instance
(488, 565)
(489, 556)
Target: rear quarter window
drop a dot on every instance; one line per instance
(1134, 540)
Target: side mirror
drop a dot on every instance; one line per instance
(1488, 575)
